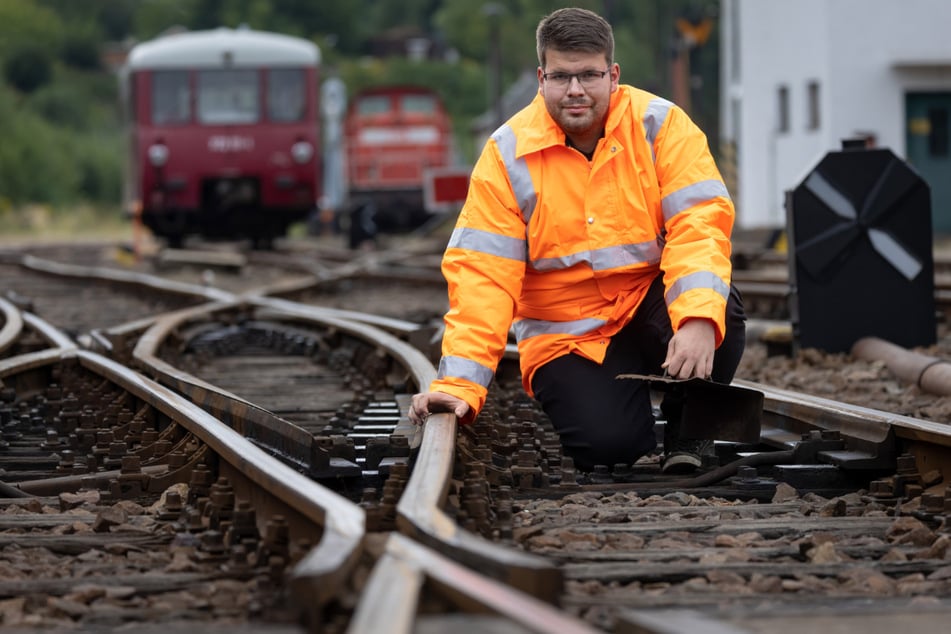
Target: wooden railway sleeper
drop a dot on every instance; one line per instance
(155, 478)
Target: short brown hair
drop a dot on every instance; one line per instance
(574, 29)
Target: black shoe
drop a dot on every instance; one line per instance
(685, 456)
(681, 455)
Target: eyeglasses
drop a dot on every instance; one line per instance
(587, 78)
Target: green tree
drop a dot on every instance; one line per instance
(25, 22)
(153, 17)
(116, 18)
(30, 37)
(81, 45)
(28, 67)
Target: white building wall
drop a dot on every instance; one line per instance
(864, 55)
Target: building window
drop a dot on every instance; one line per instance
(782, 109)
(812, 92)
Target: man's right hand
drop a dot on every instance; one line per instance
(433, 402)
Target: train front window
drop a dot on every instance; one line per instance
(171, 97)
(377, 104)
(418, 104)
(228, 97)
(285, 95)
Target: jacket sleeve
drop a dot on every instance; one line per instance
(698, 223)
(484, 265)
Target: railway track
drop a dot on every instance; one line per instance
(835, 518)
(127, 503)
(815, 516)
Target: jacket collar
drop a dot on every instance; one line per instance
(536, 130)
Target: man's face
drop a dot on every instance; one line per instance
(579, 107)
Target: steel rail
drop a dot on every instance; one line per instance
(420, 511)
(852, 420)
(246, 418)
(388, 324)
(12, 325)
(341, 523)
(390, 600)
(302, 496)
(872, 431)
(421, 515)
(336, 524)
(103, 339)
(419, 369)
(61, 346)
(55, 337)
(309, 578)
(106, 274)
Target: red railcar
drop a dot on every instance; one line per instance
(222, 133)
(394, 136)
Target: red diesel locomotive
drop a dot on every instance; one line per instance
(222, 134)
(395, 136)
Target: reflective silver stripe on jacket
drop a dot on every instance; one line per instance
(700, 279)
(654, 116)
(527, 328)
(460, 368)
(693, 194)
(519, 176)
(606, 258)
(487, 242)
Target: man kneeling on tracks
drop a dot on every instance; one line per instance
(598, 225)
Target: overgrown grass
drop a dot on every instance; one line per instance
(81, 222)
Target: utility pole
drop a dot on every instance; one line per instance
(692, 33)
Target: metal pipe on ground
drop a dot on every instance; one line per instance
(930, 374)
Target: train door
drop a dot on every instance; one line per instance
(928, 143)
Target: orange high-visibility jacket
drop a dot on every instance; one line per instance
(563, 250)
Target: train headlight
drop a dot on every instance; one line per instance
(158, 154)
(302, 151)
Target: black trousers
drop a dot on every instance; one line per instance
(605, 421)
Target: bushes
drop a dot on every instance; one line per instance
(57, 103)
(60, 143)
(33, 166)
(97, 160)
(41, 162)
